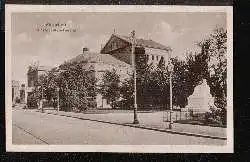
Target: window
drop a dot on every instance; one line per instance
(152, 57)
(157, 58)
(114, 45)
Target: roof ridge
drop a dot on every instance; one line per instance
(97, 57)
(144, 41)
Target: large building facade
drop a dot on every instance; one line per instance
(97, 64)
(116, 54)
(121, 47)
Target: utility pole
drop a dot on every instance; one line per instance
(171, 68)
(42, 100)
(136, 121)
(58, 89)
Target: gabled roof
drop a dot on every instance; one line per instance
(142, 42)
(92, 57)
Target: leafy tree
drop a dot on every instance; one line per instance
(181, 83)
(215, 48)
(209, 64)
(127, 93)
(218, 66)
(77, 86)
(46, 84)
(110, 88)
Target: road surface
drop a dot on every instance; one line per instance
(29, 127)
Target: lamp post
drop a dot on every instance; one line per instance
(171, 68)
(58, 89)
(41, 104)
(136, 121)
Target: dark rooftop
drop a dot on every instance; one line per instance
(92, 57)
(144, 43)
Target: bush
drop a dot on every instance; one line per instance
(110, 88)
(31, 101)
(216, 116)
(18, 100)
(124, 104)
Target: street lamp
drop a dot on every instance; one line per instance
(171, 68)
(136, 121)
(41, 102)
(58, 89)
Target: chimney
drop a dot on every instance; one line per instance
(85, 49)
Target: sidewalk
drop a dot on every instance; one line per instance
(151, 121)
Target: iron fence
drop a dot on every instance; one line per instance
(183, 115)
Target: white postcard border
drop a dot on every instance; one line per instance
(9, 9)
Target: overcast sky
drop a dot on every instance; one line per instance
(180, 31)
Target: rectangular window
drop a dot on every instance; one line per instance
(114, 45)
(152, 57)
(157, 58)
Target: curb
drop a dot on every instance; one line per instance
(143, 127)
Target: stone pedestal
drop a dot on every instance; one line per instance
(101, 102)
(201, 99)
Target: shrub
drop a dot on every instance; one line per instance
(32, 101)
(18, 100)
(216, 116)
(110, 88)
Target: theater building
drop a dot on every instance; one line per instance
(115, 54)
(121, 46)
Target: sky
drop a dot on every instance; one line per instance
(180, 31)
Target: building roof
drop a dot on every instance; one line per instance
(92, 57)
(144, 43)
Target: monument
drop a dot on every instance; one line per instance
(201, 99)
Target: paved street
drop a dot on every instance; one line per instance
(147, 119)
(31, 127)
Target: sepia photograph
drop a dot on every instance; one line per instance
(119, 78)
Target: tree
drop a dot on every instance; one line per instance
(127, 93)
(47, 85)
(77, 86)
(181, 83)
(110, 88)
(215, 48)
(209, 64)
